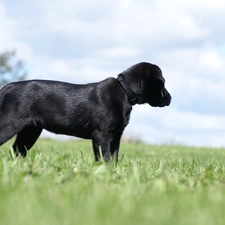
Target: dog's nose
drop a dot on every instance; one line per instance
(169, 99)
(166, 95)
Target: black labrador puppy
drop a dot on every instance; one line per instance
(98, 111)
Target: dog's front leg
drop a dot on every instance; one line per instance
(106, 154)
(114, 148)
(102, 143)
(105, 150)
(96, 150)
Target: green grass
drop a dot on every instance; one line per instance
(59, 183)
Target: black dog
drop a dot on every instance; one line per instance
(98, 111)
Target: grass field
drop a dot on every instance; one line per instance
(59, 183)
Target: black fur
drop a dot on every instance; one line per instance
(98, 111)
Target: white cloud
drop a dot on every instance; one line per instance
(8, 37)
(169, 125)
(126, 21)
(7, 27)
(120, 52)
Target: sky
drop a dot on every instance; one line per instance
(87, 41)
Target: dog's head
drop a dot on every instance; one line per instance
(147, 82)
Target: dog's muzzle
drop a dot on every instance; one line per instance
(165, 98)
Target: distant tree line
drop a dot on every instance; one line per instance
(11, 68)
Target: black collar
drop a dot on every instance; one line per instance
(133, 97)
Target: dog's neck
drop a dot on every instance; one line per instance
(133, 97)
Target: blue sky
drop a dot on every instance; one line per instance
(86, 41)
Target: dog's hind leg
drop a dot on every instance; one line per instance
(25, 139)
(8, 130)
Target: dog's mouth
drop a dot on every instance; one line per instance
(160, 104)
(165, 101)
(163, 98)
